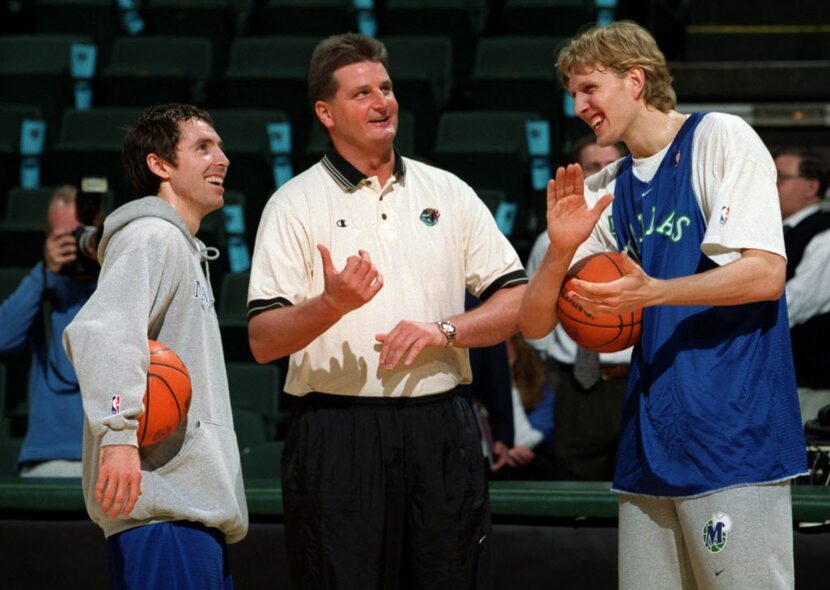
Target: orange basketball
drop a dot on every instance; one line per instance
(167, 397)
(607, 333)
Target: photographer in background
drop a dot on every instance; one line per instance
(36, 315)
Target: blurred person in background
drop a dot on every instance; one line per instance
(35, 315)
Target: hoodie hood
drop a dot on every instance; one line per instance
(146, 207)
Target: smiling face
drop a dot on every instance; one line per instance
(607, 101)
(362, 117)
(195, 180)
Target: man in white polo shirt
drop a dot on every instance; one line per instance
(359, 273)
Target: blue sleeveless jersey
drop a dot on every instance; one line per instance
(711, 400)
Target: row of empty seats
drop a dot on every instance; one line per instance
(489, 149)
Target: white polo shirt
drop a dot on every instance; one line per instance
(428, 234)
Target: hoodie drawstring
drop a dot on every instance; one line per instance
(206, 254)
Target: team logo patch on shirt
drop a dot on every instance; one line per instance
(115, 406)
(430, 216)
(724, 214)
(715, 532)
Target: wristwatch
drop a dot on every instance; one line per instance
(448, 330)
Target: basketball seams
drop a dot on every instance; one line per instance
(166, 372)
(179, 369)
(170, 391)
(603, 333)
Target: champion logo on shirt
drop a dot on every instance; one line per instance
(430, 216)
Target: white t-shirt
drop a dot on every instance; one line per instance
(733, 181)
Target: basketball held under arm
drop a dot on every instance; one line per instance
(758, 275)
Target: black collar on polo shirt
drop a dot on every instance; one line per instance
(349, 177)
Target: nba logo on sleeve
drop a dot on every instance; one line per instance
(115, 407)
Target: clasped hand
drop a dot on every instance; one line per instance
(356, 285)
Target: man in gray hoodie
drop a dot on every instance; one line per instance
(167, 509)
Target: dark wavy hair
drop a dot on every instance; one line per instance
(156, 131)
(335, 52)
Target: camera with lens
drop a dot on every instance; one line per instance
(89, 212)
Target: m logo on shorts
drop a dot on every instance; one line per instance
(715, 532)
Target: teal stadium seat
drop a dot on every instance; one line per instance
(35, 69)
(9, 452)
(232, 313)
(246, 143)
(262, 461)
(11, 120)
(421, 71)
(462, 21)
(270, 73)
(216, 20)
(548, 17)
(487, 149)
(256, 387)
(519, 73)
(97, 19)
(307, 17)
(90, 145)
(249, 427)
(152, 70)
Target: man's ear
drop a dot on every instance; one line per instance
(158, 166)
(323, 112)
(637, 81)
(813, 185)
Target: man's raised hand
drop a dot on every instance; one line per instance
(352, 287)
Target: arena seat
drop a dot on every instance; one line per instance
(462, 21)
(152, 70)
(421, 71)
(249, 427)
(307, 17)
(11, 120)
(89, 144)
(30, 205)
(256, 387)
(232, 313)
(270, 73)
(246, 143)
(96, 18)
(756, 81)
(35, 69)
(9, 452)
(547, 17)
(492, 198)
(262, 461)
(215, 20)
(768, 30)
(518, 73)
(488, 149)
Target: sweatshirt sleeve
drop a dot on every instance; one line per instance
(107, 340)
(20, 310)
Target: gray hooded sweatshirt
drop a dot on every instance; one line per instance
(152, 286)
